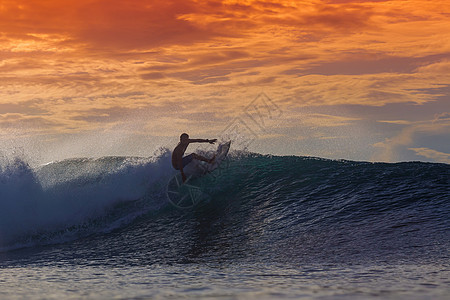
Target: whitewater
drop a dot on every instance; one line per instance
(268, 227)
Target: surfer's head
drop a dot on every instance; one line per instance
(184, 136)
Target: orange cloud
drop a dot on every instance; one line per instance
(143, 24)
(106, 24)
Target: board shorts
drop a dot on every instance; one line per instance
(186, 160)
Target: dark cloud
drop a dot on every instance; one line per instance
(25, 108)
(360, 64)
(34, 123)
(442, 116)
(152, 76)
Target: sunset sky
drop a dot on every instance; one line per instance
(360, 80)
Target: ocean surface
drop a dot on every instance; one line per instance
(262, 227)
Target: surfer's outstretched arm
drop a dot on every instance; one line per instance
(202, 141)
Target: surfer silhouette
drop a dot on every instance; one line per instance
(179, 162)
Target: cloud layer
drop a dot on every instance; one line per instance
(68, 67)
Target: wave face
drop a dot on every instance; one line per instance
(256, 208)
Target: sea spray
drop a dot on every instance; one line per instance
(63, 200)
(20, 194)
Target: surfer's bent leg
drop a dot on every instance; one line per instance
(187, 159)
(199, 157)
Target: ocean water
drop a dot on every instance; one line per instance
(262, 227)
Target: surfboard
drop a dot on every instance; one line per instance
(189, 194)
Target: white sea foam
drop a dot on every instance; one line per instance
(55, 200)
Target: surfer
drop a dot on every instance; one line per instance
(179, 162)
